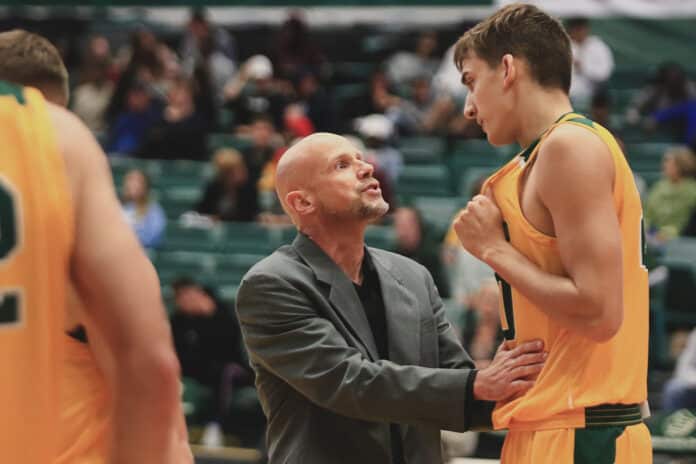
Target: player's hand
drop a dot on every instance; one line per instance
(512, 372)
(479, 226)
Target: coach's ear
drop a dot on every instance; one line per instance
(300, 202)
(509, 68)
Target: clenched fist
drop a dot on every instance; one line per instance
(479, 226)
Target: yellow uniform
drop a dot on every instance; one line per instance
(85, 407)
(36, 235)
(584, 385)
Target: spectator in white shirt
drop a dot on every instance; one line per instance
(593, 61)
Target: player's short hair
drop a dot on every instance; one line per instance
(30, 60)
(524, 31)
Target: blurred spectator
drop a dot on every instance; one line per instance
(421, 113)
(146, 61)
(447, 81)
(208, 343)
(294, 50)
(264, 143)
(130, 126)
(315, 101)
(199, 29)
(672, 199)
(230, 195)
(680, 390)
(142, 212)
(91, 97)
(682, 115)
(482, 334)
(593, 61)
(413, 241)
(669, 87)
(210, 47)
(252, 92)
(377, 131)
(180, 131)
(403, 67)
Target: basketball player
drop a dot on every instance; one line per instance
(561, 224)
(85, 406)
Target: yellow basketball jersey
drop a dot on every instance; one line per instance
(36, 234)
(579, 372)
(85, 407)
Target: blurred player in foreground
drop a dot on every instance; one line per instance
(65, 240)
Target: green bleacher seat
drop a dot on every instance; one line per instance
(232, 267)
(438, 212)
(179, 238)
(426, 180)
(225, 140)
(382, 237)
(422, 150)
(647, 150)
(679, 298)
(242, 237)
(178, 199)
(469, 178)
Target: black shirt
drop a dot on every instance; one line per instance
(370, 294)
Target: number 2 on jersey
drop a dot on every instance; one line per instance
(9, 300)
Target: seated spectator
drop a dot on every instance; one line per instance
(593, 61)
(669, 87)
(294, 50)
(209, 46)
(377, 131)
(131, 125)
(672, 199)
(315, 101)
(142, 212)
(413, 241)
(682, 115)
(180, 131)
(405, 66)
(690, 228)
(680, 390)
(264, 143)
(92, 96)
(252, 91)
(230, 195)
(208, 343)
(422, 112)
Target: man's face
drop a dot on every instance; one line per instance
(343, 186)
(488, 102)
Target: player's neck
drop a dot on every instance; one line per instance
(343, 243)
(539, 111)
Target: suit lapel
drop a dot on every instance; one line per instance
(401, 310)
(342, 295)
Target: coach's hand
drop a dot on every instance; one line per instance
(479, 226)
(512, 372)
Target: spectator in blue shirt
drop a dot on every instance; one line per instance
(143, 213)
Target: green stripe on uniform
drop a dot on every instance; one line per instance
(596, 445)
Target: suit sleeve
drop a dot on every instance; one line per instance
(453, 356)
(285, 335)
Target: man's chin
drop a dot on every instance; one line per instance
(375, 211)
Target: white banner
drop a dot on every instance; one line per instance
(657, 9)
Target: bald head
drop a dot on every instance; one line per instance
(299, 165)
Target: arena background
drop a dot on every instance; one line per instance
(349, 49)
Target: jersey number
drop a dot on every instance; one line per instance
(9, 300)
(507, 315)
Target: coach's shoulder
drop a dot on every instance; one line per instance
(281, 263)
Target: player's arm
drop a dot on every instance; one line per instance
(575, 172)
(120, 292)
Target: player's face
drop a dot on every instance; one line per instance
(488, 101)
(344, 187)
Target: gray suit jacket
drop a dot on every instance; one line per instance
(328, 398)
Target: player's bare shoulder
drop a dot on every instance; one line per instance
(572, 154)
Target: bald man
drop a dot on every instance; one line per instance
(354, 359)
